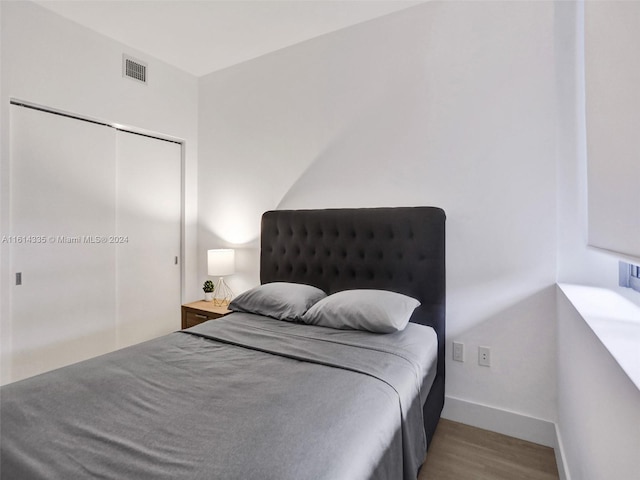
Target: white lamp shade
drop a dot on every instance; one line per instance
(221, 262)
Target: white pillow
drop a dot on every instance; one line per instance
(377, 311)
(281, 300)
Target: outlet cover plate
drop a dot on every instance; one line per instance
(458, 351)
(484, 356)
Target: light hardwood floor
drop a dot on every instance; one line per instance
(461, 452)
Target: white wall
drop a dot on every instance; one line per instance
(598, 404)
(447, 104)
(54, 62)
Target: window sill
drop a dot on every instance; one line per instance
(615, 321)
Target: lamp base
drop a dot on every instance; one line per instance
(222, 294)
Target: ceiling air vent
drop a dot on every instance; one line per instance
(134, 69)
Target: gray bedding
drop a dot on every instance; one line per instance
(244, 397)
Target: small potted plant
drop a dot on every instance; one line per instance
(208, 291)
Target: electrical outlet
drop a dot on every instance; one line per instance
(458, 351)
(484, 356)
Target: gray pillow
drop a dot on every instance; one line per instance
(377, 311)
(281, 300)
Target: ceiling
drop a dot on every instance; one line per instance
(202, 36)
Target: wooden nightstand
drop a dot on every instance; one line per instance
(197, 312)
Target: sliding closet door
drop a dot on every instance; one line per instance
(62, 196)
(148, 226)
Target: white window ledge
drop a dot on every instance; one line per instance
(615, 321)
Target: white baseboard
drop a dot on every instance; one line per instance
(509, 423)
(561, 461)
(524, 427)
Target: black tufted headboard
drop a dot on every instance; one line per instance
(399, 249)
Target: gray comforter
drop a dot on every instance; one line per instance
(244, 397)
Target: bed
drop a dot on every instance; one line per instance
(250, 395)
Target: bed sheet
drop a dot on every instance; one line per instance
(243, 397)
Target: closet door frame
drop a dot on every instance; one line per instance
(123, 128)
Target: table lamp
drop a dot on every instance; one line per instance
(221, 262)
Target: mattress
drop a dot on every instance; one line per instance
(243, 397)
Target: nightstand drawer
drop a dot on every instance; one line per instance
(192, 319)
(197, 312)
